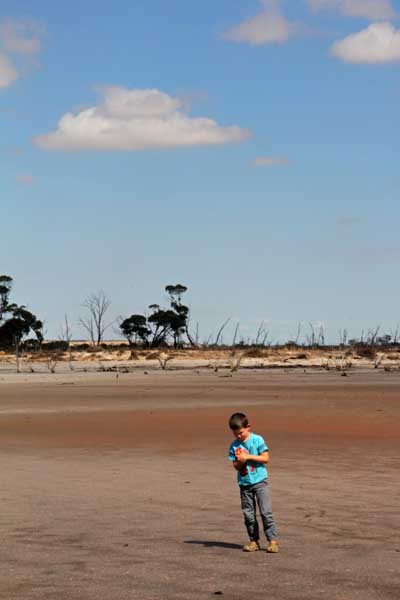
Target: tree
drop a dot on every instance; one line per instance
(97, 306)
(16, 321)
(5, 289)
(175, 293)
(135, 327)
(162, 324)
(166, 322)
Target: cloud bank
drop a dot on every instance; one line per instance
(136, 119)
(379, 43)
(268, 27)
(368, 9)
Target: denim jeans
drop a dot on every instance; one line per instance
(251, 496)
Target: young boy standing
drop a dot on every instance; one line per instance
(249, 455)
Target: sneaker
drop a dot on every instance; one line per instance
(251, 547)
(273, 546)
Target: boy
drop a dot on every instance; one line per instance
(249, 454)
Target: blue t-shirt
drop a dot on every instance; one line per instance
(253, 472)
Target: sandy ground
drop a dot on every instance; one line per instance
(120, 488)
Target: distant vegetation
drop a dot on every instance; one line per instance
(164, 327)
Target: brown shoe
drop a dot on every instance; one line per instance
(251, 547)
(273, 546)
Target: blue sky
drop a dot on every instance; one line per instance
(247, 149)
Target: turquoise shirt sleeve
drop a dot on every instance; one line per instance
(262, 446)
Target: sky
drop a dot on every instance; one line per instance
(247, 149)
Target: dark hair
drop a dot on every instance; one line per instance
(238, 420)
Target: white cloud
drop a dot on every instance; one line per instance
(368, 9)
(8, 74)
(268, 27)
(136, 119)
(20, 37)
(379, 43)
(271, 161)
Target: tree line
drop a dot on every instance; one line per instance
(164, 326)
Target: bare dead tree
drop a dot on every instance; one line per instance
(316, 339)
(260, 332)
(372, 335)
(51, 362)
(298, 333)
(264, 341)
(395, 335)
(234, 361)
(261, 337)
(221, 329)
(321, 336)
(162, 357)
(343, 335)
(88, 325)
(94, 323)
(311, 339)
(66, 336)
(207, 342)
(235, 336)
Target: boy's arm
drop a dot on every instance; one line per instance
(239, 464)
(260, 458)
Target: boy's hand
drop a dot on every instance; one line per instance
(241, 454)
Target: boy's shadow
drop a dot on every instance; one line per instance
(210, 544)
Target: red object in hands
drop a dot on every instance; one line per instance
(239, 453)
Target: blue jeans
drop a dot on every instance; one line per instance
(251, 496)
